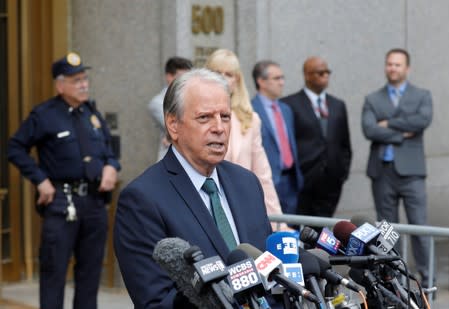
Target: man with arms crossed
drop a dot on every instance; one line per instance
(394, 119)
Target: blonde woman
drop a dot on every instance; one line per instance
(245, 142)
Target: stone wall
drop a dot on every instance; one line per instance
(128, 41)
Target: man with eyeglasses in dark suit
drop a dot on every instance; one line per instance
(323, 140)
(278, 137)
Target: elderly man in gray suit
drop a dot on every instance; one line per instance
(394, 119)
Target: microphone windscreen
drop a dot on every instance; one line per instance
(309, 235)
(250, 250)
(342, 230)
(169, 254)
(309, 263)
(356, 274)
(236, 256)
(283, 245)
(359, 220)
(323, 260)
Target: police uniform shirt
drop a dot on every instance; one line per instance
(50, 128)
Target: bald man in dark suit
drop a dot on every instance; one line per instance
(323, 141)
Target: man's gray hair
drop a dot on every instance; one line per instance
(260, 70)
(174, 98)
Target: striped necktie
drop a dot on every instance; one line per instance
(218, 213)
(321, 109)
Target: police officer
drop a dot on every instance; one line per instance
(74, 176)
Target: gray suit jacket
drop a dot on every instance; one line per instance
(413, 114)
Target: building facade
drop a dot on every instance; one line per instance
(128, 42)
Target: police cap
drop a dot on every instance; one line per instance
(68, 65)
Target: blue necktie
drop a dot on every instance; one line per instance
(389, 151)
(221, 221)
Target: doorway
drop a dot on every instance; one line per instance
(32, 34)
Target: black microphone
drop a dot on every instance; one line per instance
(269, 266)
(326, 270)
(344, 230)
(325, 240)
(169, 254)
(209, 271)
(366, 278)
(355, 244)
(362, 260)
(387, 238)
(244, 279)
(311, 271)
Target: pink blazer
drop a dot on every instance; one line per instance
(247, 151)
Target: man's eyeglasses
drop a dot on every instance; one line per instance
(276, 78)
(77, 82)
(322, 72)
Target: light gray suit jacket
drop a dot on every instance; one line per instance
(413, 114)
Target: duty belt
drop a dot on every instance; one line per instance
(79, 187)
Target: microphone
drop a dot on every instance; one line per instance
(325, 240)
(311, 271)
(365, 278)
(389, 277)
(388, 236)
(342, 230)
(245, 279)
(326, 271)
(360, 238)
(284, 245)
(357, 239)
(385, 244)
(269, 267)
(169, 254)
(208, 271)
(362, 261)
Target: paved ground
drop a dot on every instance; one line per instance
(25, 295)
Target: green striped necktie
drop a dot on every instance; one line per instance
(218, 213)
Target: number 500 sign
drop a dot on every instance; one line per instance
(207, 19)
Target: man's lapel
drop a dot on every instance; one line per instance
(386, 103)
(310, 113)
(407, 96)
(259, 108)
(187, 191)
